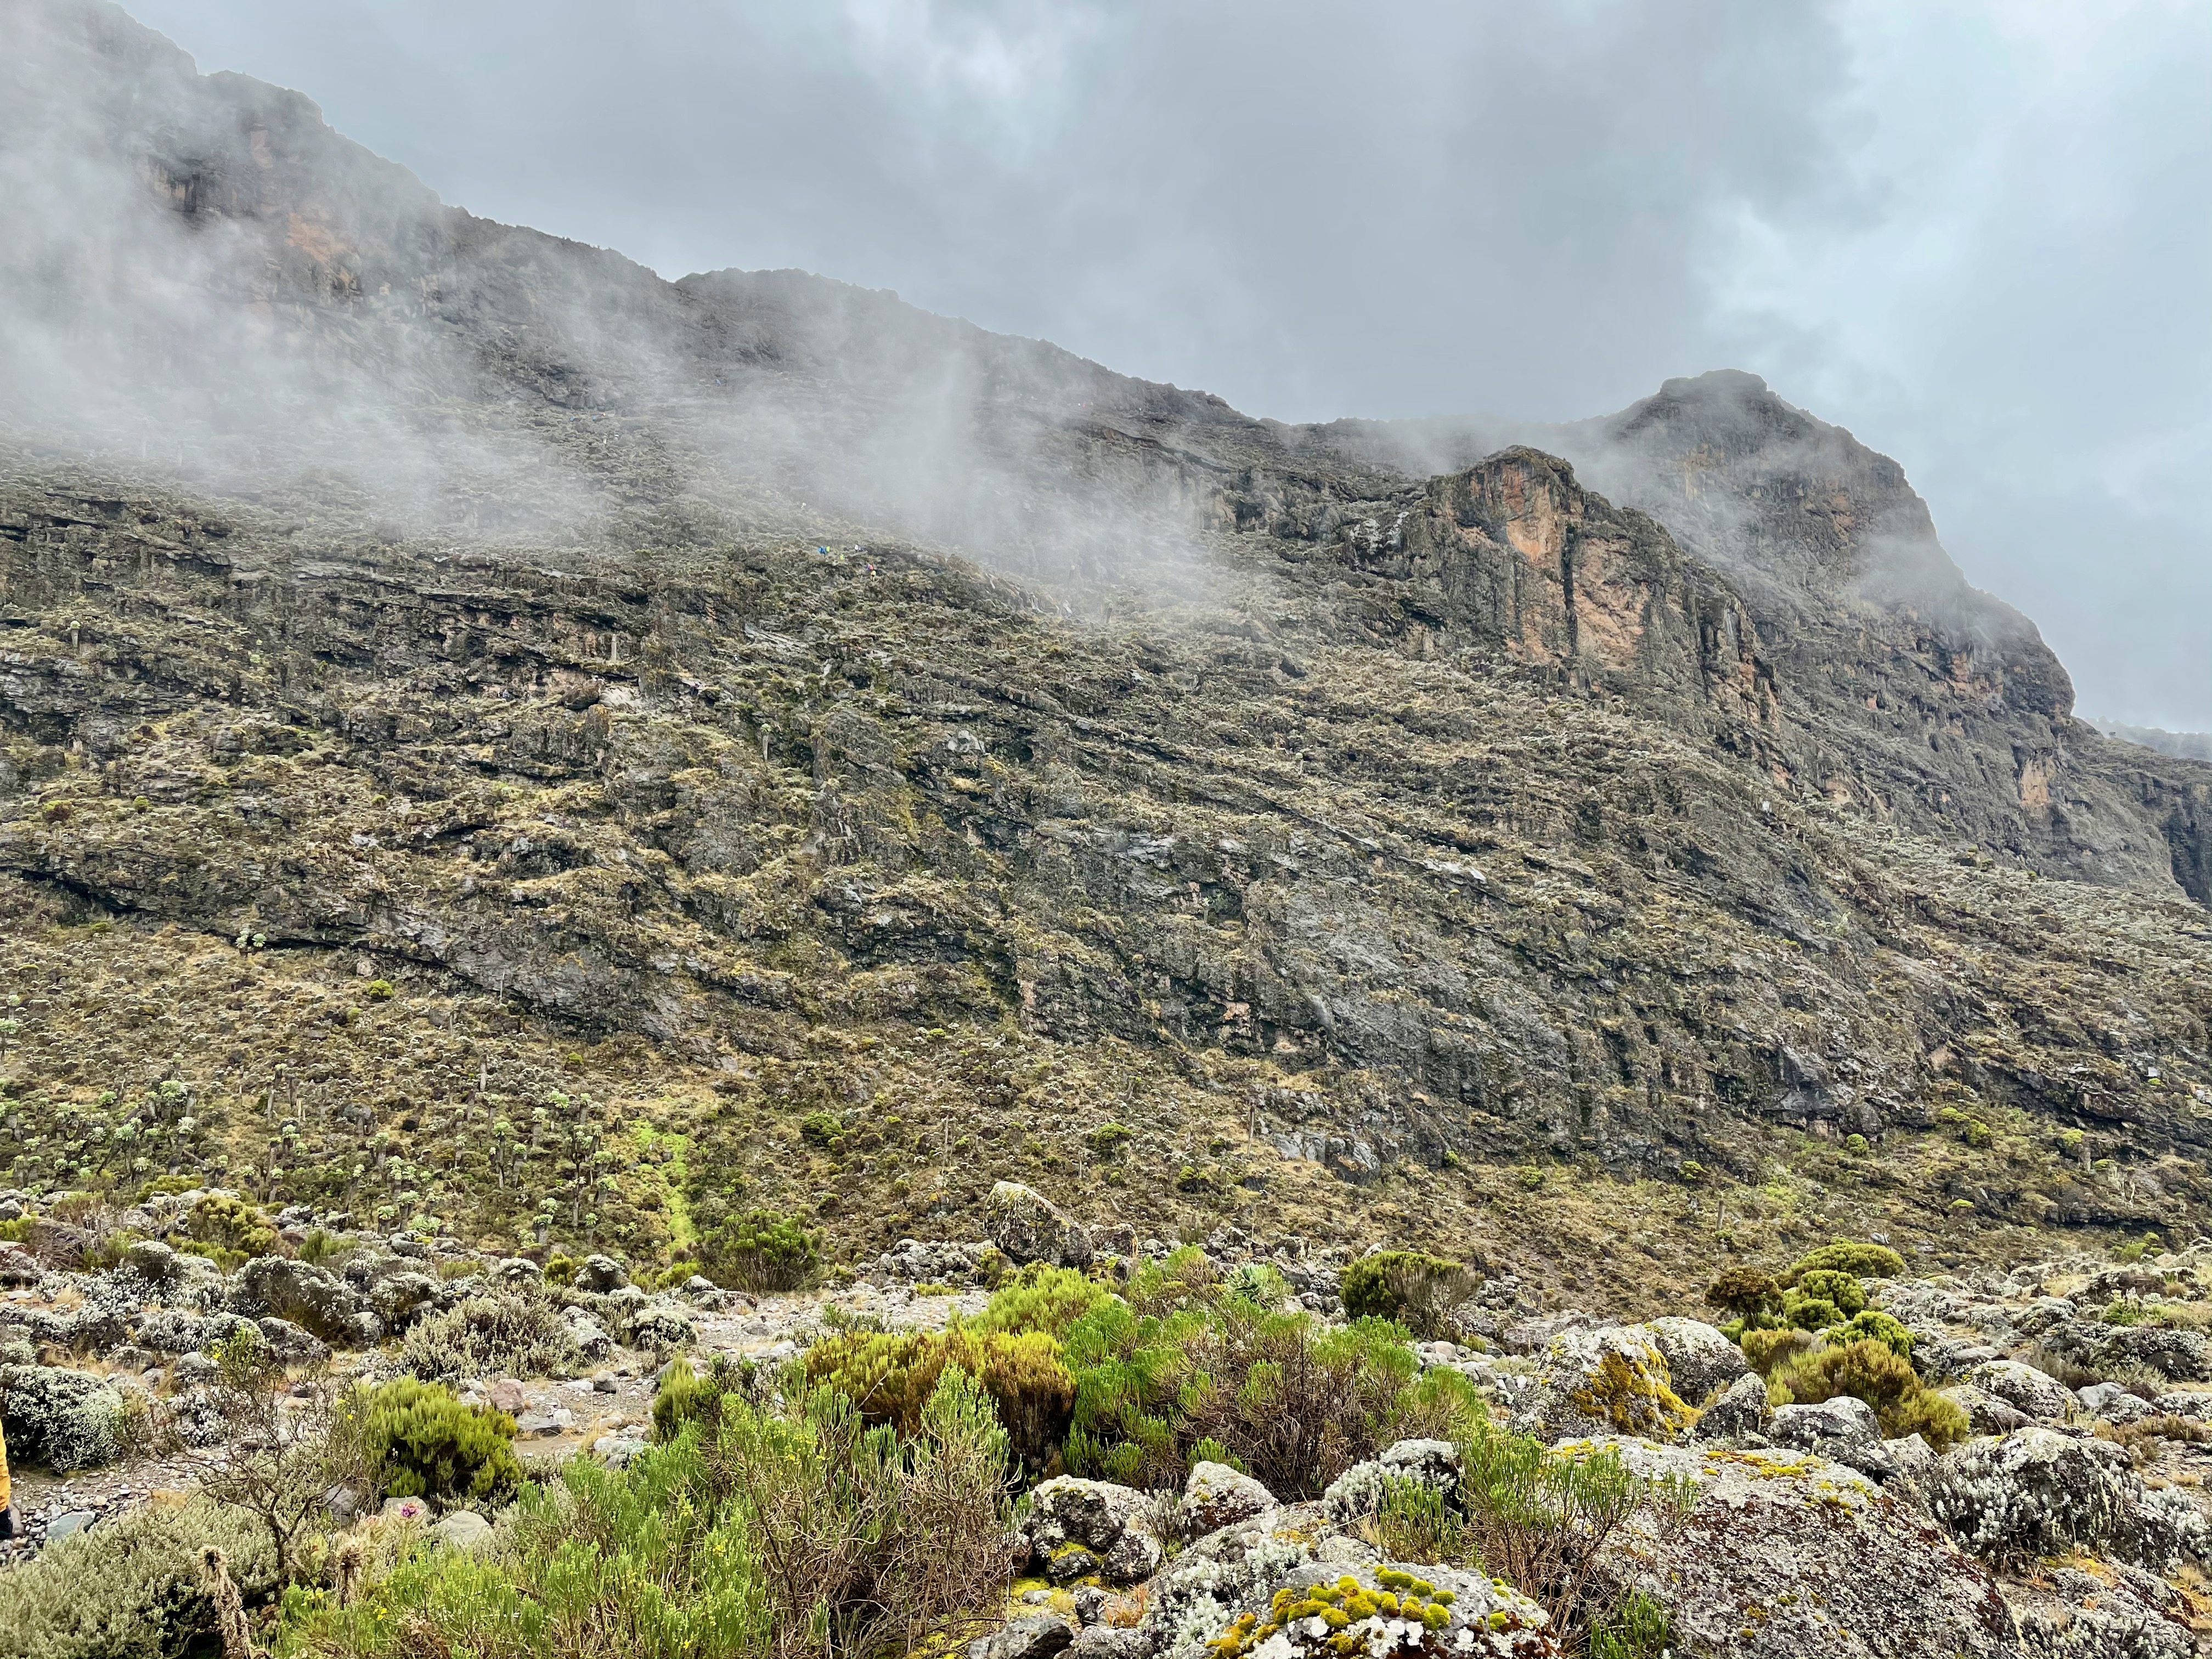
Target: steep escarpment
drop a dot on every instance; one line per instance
(872, 757)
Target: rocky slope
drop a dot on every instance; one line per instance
(863, 758)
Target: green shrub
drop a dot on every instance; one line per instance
(892, 1377)
(1869, 1371)
(1541, 1520)
(1872, 1325)
(1041, 1298)
(819, 1129)
(1417, 1291)
(1860, 1261)
(1763, 1350)
(231, 1227)
(686, 1396)
(1747, 1295)
(762, 1251)
(427, 1443)
(1183, 1361)
(1109, 1138)
(1842, 1289)
(130, 1587)
(798, 1533)
(1412, 1523)
(489, 1336)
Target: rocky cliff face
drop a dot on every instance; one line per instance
(755, 700)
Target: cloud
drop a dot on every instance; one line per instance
(1966, 231)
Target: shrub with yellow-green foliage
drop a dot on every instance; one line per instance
(426, 1442)
(1041, 1298)
(1869, 1370)
(890, 1378)
(1185, 1359)
(1341, 1606)
(1847, 1256)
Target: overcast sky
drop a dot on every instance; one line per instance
(1978, 234)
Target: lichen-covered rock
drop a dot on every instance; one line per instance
(1216, 1496)
(1843, 1431)
(661, 1326)
(1324, 1612)
(1029, 1227)
(1613, 1379)
(291, 1343)
(1701, 1362)
(1039, 1636)
(2039, 1491)
(1078, 1527)
(590, 1337)
(1787, 1557)
(2099, 1611)
(2027, 1390)
(1985, 1413)
(1740, 1410)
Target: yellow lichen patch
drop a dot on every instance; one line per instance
(1634, 1397)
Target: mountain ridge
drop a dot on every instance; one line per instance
(748, 697)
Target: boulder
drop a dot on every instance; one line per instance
(1701, 1362)
(660, 1326)
(1216, 1496)
(400, 1298)
(590, 1337)
(1028, 1227)
(1985, 1413)
(1843, 1431)
(464, 1530)
(1612, 1380)
(2031, 1393)
(1740, 1410)
(57, 1243)
(517, 1272)
(1225, 1586)
(1784, 1558)
(292, 1344)
(1040, 1636)
(2122, 1613)
(1078, 1527)
(2041, 1491)
(600, 1273)
(18, 1268)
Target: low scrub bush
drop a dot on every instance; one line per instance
(1870, 1370)
(686, 1396)
(63, 1419)
(131, 1587)
(1417, 1291)
(762, 1251)
(425, 1442)
(892, 1379)
(1041, 1298)
(1750, 1298)
(1541, 1520)
(489, 1336)
(232, 1231)
(1763, 1350)
(1847, 1256)
(1183, 1361)
(802, 1533)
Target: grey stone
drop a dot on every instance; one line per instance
(2026, 1389)
(1037, 1637)
(600, 1273)
(1029, 1227)
(1701, 1362)
(1740, 1410)
(1216, 1496)
(463, 1530)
